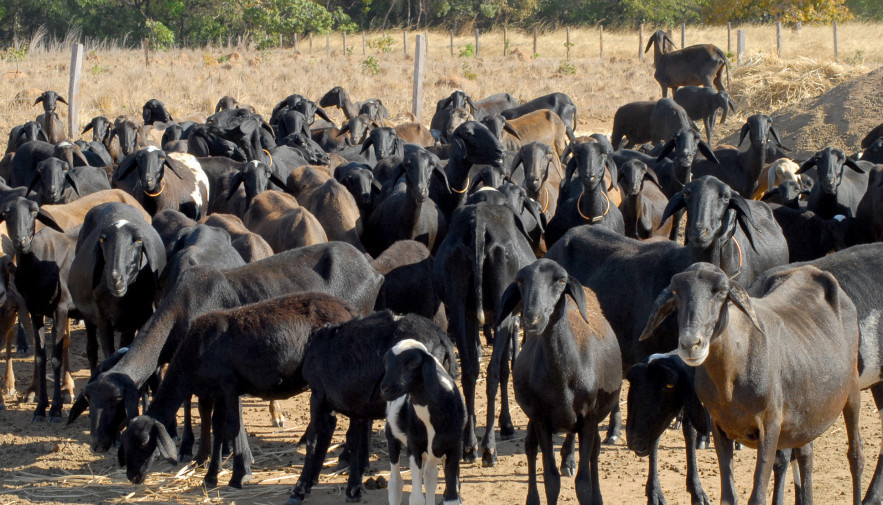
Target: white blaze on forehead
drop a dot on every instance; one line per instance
(120, 223)
(64, 143)
(839, 218)
(408, 343)
(151, 149)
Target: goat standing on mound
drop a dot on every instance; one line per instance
(567, 375)
(425, 412)
(773, 376)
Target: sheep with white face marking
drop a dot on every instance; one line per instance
(425, 412)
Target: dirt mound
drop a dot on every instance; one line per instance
(840, 118)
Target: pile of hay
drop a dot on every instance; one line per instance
(763, 83)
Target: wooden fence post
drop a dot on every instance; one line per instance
(683, 35)
(567, 44)
(419, 63)
(405, 42)
(73, 92)
(146, 44)
(601, 42)
(451, 32)
(779, 39)
(836, 53)
(740, 45)
(426, 41)
(295, 42)
(534, 55)
(311, 43)
(344, 43)
(364, 45)
(641, 42)
(505, 40)
(729, 39)
(328, 42)
(476, 42)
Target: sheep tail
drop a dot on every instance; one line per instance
(477, 270)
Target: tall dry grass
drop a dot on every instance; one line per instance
(117, 81)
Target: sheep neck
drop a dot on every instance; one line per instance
(457, 172)
(411, 214)
(593, 203)
(349, 108)
(753, 161)
(558, 343)
(727, 356)
(174, 389)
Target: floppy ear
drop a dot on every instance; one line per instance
(675, 204)
(80, 405)
(61, 99)
(70, 179)
(79, 154)
(368, 143)
(444, 104)
(276, 180)
(650, 43)
(742, 133)
(509, 128)
(673, 45)
(517, 160)
(553, 161)
(130, 396)
(376, 184)
(535, 213)
(664, 305)
(509, 302)
(472, 107)
(235, 181)
(437, 170)
(706, 151)
(611, 165)
(770, 194)
(458, 148)
(164, 443)
(651, 174)
(666, 149)
(87, 128)
(38, 100)
(42, 132)
(165, 162)
(569, 169)
(149, 259)
(806, 165)
(48, 220)
(37, 176)
(853, 165)
(739, 296)
(567, 150)
(575, 290)
(321, 113)
(776, 138)
(743, 213)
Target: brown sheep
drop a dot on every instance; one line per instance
(250, 245)
(282, 222)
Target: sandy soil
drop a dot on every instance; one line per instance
(52, 464)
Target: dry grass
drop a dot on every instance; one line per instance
(117, 81)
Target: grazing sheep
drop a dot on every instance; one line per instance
(759, 365)
(426, 414)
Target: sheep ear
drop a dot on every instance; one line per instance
(650, 43)
(738, 203)
(376, 184)
(164, 443)
(321, 113)
(569, 169)
(368, 143)
(742, 133)
(706, 151)
(48, 220)
(614, 177)
(666, 149)
(80, 405)
(567, 150)
(575, 290)
(509, 128)
(171, 167)
(34, 181)
(806, 165)
(472, 108)
(97, 264)
(129, 163)
(130, 397)
(770, 194)
(149, 259)
(517, 161)
(664, 305)
(853, 165)
(694, 409)
(61, 99)
(776, 138)
(42, 132)
(739, 296)
(38, 100)
(87, 128)
(276, 180)
(675, 204)
(555, 164)
(437, 170)
(430, 374)
(651, 174)
(444, 103)
(235, 182)
(509, 302)
(70, 179)
(535, 213)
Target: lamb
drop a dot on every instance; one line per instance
(61, 183)
(53, 126)
(567, 375)
(758, 365)
(702, 103)
(216, 361)
(643, 203)
(342, 371)
(12, 305)
(426, 414)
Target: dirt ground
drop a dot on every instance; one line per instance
(52, 463)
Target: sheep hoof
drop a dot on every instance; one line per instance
(611, 440)
(655, 497)
(279, 422)
(29, 397)
(295, 500)
(238, 482)
(55, 418)
(489, 458)
(568, 467)
(210, 482)
(507, 432)
(469, 455)
(66, 397)
(739, 446)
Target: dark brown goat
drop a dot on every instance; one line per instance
(700, 65)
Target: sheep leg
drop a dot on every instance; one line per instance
(855, 453)
(653, 488)
(724, 449)
(452, 477)
(358, 461)
(694, 485)
(185, 452)
(780, 473)
(276, 414)
(430, 478)
(551, 477)
(211, 475)
(803, 482)
(874, 494)
(615, 427)
(241, 451)
(21, 341)
(8, 322)
(507, 429)
(568, 461)
(40, 369)
(205, 406)
(766, 456)
(92, 346)
(67, 387)
(470, 350)
(322, 424)
(530, 450)
(396, 483)
(55, 351)
(489, 442)
(416, 497)
(585, 482)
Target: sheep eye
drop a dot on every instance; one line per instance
(101, 239)
(669, 386)
(562, 281)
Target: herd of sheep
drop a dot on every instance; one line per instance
(735, 289)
